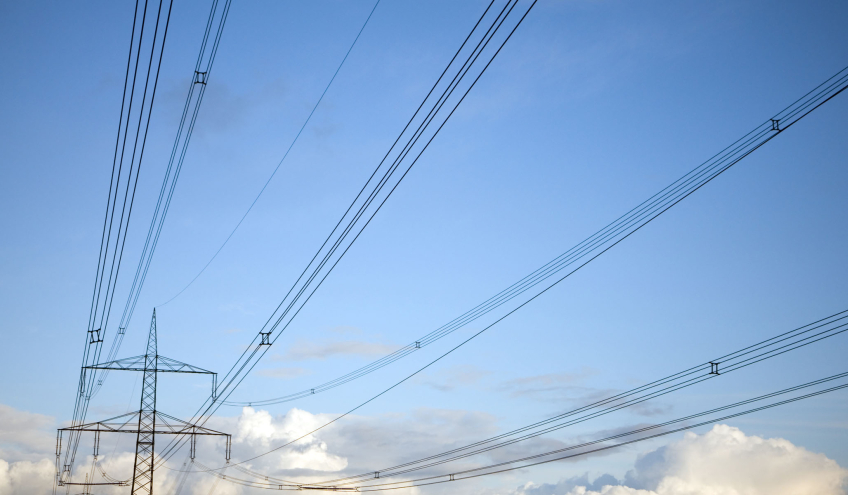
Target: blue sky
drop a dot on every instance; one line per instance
(590, 109)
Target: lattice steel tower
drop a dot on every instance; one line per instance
(143, 468)
(149, 423)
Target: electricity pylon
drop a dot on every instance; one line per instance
(145, 423)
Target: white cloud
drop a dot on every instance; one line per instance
(611, 490)
(354, 445)
(723, 461)
(25, 435)
(26, 439)
(27, 443)
(282, 373)
(258, 431)
(726, 460)
(26, 477)
(449, 378)
(556, 387)
(322, 350)
(357, 444)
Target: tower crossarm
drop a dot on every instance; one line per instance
(167, 364)
(117, 424)
(146, 423)
(128, 423)
(103, 483)
(137, 363)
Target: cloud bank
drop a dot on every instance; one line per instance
(723, 461)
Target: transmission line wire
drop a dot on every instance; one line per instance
(604, 238)
(500, 467)
(260, 343)
(533, 460)
(169, 182)
(775, 346)
(785, 119)
(94, 334)
(180, 483)
(291, 145)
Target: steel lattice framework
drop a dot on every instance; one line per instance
(145, 423)
(142, 481)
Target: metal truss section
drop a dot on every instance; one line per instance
(137, 363)
(127, 423)
(146, 423)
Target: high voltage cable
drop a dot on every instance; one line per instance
(94, 334)
(761, 135)
(103, 240)
(440, 102)
(467, 473)
(87, 381)
(780, 344)
(824, 328)
(800, 108)
(291, 145)
(152, 239)
(259, 345)
(146, 256)
(373, 194)
(532, 460)
(200, 78)
(109, 478)
(107, 308)
(602, 239)
(180, 481)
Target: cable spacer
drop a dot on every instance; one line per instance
(95, 336)
(714, 368)
(200, 77)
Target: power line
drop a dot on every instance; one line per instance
(789, 116)
(105, 238)
(263, 340)
(824, 328)
(499, 467)
(291, 145)
(197, 87)
(601, 240)
(95, 333)
(92, 310)
(199, 79)
(179, 483)
(533, 460)
(782, 121)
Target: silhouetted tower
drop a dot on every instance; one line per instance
(145, 423)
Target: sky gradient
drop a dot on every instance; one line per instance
(591, 108)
